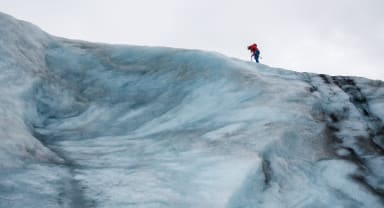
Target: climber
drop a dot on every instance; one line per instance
(255, 52)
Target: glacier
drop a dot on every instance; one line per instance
(98, 125)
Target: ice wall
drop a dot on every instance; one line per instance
(97, 125)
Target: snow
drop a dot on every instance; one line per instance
(97, 125)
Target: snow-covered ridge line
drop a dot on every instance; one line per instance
(98, 125)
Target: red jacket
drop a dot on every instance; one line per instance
(253, 48)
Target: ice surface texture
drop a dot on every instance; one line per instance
(97, 125)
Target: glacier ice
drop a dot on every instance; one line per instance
(97, 125)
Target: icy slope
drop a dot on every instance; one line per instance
(96, 125)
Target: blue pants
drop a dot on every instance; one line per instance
(256, 56)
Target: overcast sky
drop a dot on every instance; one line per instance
(338, 37)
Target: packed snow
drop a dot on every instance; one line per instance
(97, 125)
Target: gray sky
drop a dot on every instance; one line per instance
(338, 37)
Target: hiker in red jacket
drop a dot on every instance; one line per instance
(255, 52)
